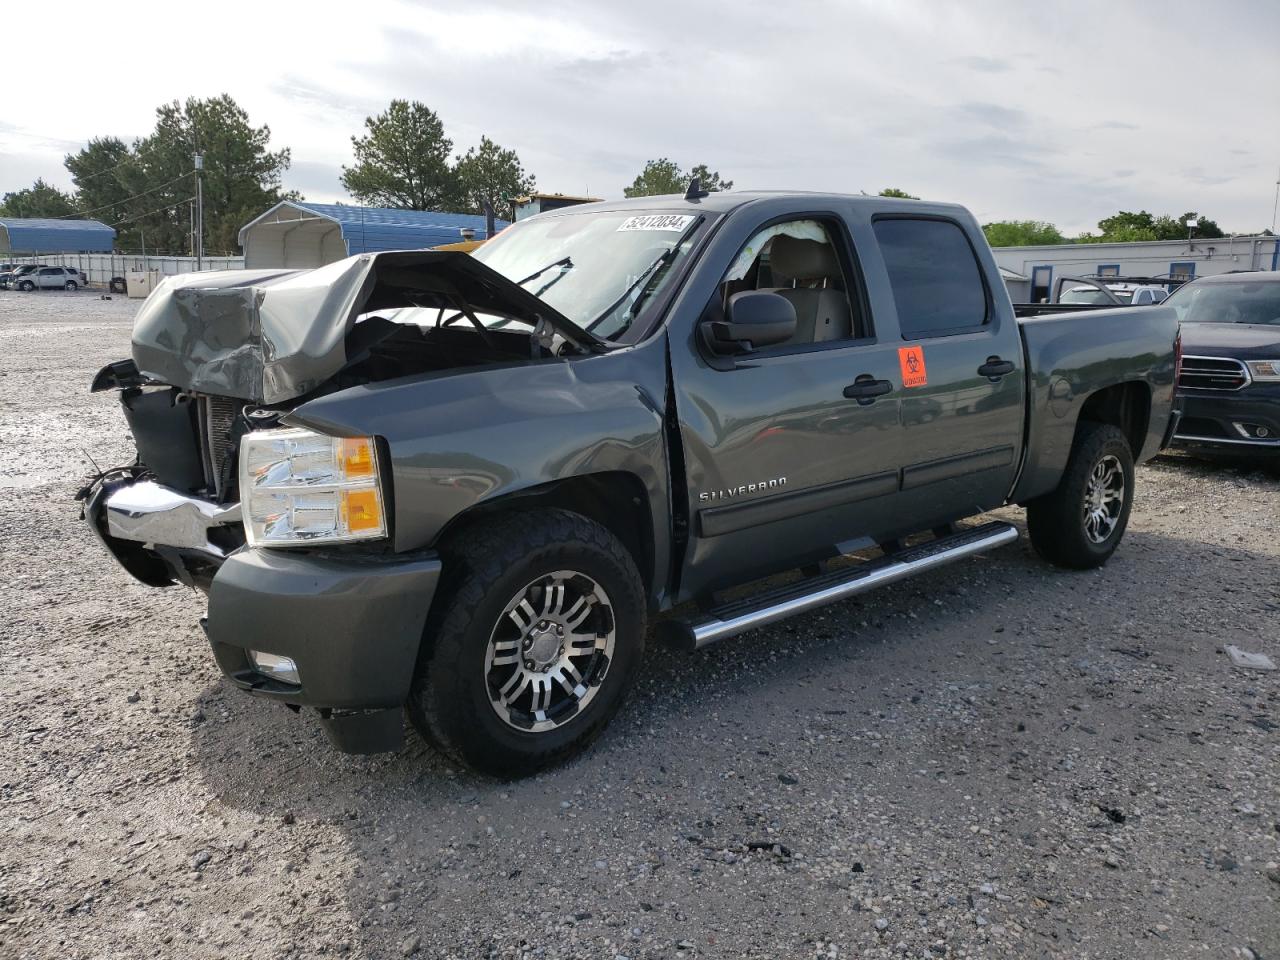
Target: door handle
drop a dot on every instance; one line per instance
(995, 368)
(866, 388)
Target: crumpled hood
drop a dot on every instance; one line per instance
(272, 335)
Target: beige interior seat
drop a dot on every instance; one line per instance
(822, 305)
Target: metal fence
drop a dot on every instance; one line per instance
(99, 268)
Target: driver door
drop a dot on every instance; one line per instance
(788, 454)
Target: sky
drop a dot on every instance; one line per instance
(1064, 112)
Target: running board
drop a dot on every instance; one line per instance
(782, 602)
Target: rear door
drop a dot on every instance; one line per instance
(790, 451)
(962, 366)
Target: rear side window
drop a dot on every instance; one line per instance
(937, 286)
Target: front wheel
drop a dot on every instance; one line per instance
(1081, 523)
(532, 643)
(72, 285)
(26, 286)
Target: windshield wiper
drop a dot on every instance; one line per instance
(565, 262)
(646, 275)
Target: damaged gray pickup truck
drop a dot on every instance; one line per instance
(465, 484)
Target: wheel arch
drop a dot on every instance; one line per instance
(615, 499)
(1125, 405)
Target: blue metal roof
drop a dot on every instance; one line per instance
(27, 235)
(370, 229)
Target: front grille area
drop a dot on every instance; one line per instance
(218, 416)
(1212, 373)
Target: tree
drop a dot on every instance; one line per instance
(489, 173)
(403, 161)
(39, 200)
(1129, 227)
(106, 175)
(895, 192)
(664, 176)
(241, 176)
(1021, 233)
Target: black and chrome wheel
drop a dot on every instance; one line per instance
(1081, 523)
(534, 635)
(72, 285)
(26, 286)
(550, 651)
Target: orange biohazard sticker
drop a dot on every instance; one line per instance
(911, 360)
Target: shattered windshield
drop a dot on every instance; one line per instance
(599, 269)
(1239, 302)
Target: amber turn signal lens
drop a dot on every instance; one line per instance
(357, 458)
(362, 510)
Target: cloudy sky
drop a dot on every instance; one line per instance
(1063, 112)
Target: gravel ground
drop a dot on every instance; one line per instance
(996, 760)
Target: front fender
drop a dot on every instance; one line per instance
(461, 438)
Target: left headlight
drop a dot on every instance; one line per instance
(1265, 370)
(299, 488)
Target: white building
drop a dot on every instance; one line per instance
(1172, 259)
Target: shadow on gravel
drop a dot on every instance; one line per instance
(435, 848)
(1258, 469)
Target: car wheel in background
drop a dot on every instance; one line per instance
(531, 643)
(72, 285)
(26, 286)
(1081, 523)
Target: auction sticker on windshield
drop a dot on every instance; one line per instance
(657, 221)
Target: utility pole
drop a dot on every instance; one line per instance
(1276, 205)
(199, 213)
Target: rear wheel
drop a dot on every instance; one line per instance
(532, 645)
(1081, 523)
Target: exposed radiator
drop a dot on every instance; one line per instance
(216, 442)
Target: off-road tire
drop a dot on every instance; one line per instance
(449, 701)
(1056, 521)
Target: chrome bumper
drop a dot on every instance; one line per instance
(148, 512)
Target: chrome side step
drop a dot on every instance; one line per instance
(778, 604)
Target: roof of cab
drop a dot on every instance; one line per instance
(724, 201)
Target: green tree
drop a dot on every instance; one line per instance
(106, 175)
(1129, 227)
(403, 161)
(38, 200)
(489, 173)
(664, 176)
(895, 192)
(1021, 233)
(241, 176)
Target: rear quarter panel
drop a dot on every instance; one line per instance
(1070, 357)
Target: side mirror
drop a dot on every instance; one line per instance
(753, 319)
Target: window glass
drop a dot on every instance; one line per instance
(800, 261)
(937, 286)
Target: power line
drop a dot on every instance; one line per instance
(116, 203)
(103, 173)
(143, 216)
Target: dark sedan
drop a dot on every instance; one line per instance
(1230, 382)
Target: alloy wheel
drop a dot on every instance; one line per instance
(549, 651)
(1103, 499)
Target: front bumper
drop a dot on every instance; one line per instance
(351, 622)
(1241, 423)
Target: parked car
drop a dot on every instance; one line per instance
(1230, 381)
(1115, 294)
(49, 278)
(463, 483)
(12, 278)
